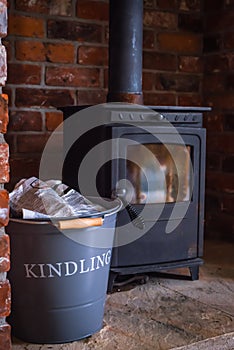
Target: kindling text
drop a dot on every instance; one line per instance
(67, 268)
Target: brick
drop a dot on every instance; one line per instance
(74, 31)
(148, 81)
(24, 74)
(228, 40)
(31, 143)
(191, 22)
(29, 51)
(213, 121)
(229, 121)
(177, 82)
(148, 3)
(98, 10)
(190, 100)
(216, 23)
(230, 58)
(148, 39)
(56, 7)
(212, 43)
(3, 113)
(223, 100)
(91, 55)
(44, 97)
(4, 163)
(167, 4)
(230, 81)
(213, 202)
(221, 226)
(191, 64)
(213, 161)
(228, 164)
(24, 167)
(91, 97)
(5, 298)
(69, 76)
(25, 121)
(60, 53)
(5, 337)
(60, 7)
(227, 204)
(50, 52)
(3, 18)
(213, 4)
(3, 65)
(229, 4)
(216, 63)
(220, 142)
(53, 120)
(156, 99)
(214, 82)
(4, 207)
(105, 78)
(187, 43)
(159, 20)
(159, 61)
(219, 181)
(4, 253)
(195, 5)
(106, 34)
(32, 6)
(25, 26)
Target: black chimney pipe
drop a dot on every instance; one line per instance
(125, 51)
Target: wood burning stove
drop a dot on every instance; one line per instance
(155, 161)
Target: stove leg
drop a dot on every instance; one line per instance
(194, 272)
(111, 280)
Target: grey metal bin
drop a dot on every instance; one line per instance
(59, 279)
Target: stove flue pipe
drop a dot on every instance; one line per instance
(125, 51)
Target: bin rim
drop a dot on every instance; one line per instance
(51, 220)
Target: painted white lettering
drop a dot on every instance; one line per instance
(108, 257)
(52, 268)
(29, 272)
(82, 266)
(68, 268)
(100, 260)
(92, 263)
(41, 267)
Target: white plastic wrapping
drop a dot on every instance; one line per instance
(33, 199)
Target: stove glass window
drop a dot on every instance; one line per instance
(158, 173)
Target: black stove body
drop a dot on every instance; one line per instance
(154, 160)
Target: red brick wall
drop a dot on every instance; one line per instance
(58, 55)
(5, 292)
(218, 92)
(172, 59)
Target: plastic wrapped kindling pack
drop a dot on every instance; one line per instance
(33, 198)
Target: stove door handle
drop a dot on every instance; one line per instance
(136, 219)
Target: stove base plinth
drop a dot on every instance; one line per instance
(139, 273)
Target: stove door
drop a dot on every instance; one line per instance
(161, 176)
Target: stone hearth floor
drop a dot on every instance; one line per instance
(168, 313)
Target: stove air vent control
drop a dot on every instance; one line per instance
(136, 117)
